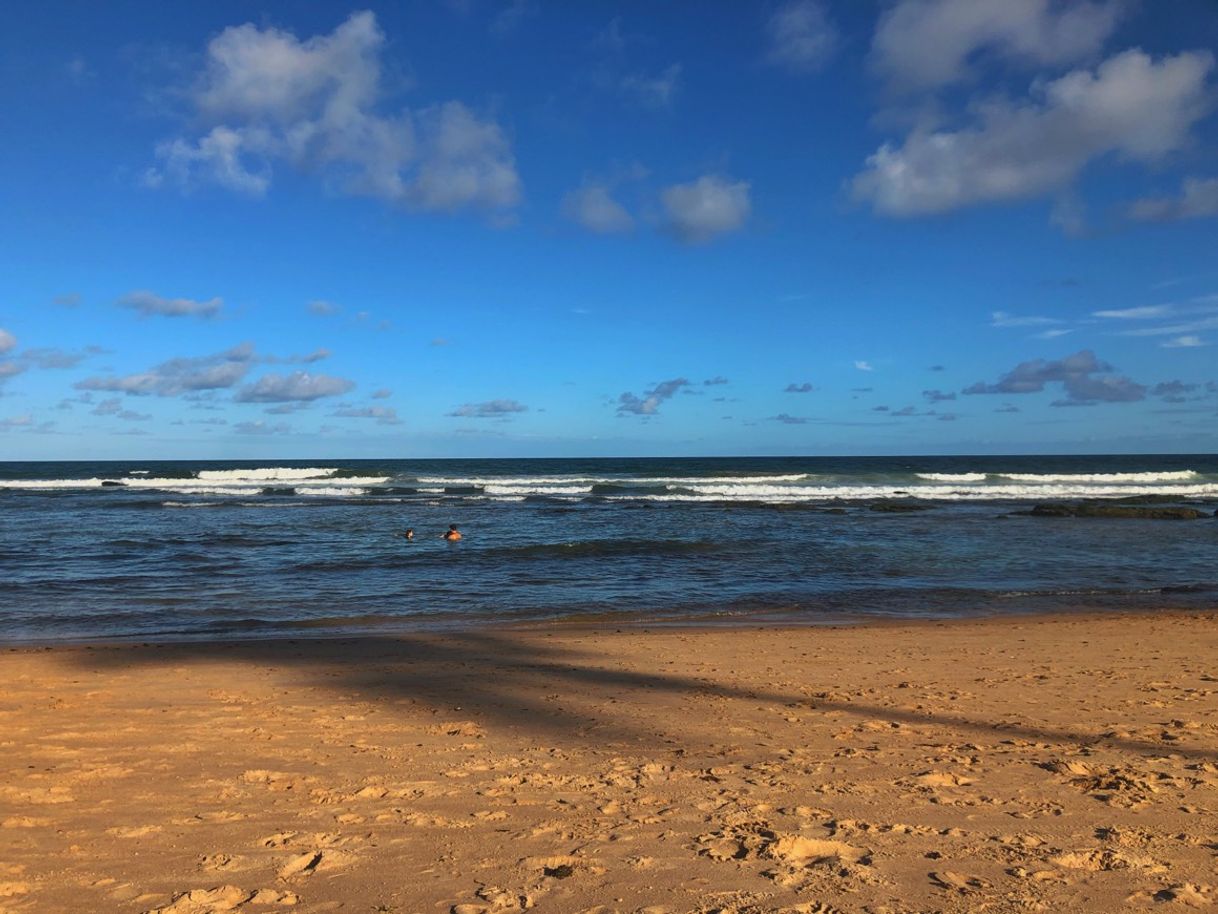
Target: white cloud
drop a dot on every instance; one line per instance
(710, 206)
(1143, 312)
(181, 375)
(658, 91)
(260, 427)
(267, 97)
(47, 357)
(1183, 326)
(1085, 379)
(649, 403)
(923, 45)
(491, 409)
(1187, 318)
(26, 423)
(216, 156)
(1005, 319)
(593, 207)
(149, 303)
(384, 415)
(299, 386)
(8, 342)
(463, 162)
(1198, 198)
(1130, 106)
(382, 393)
(114, 407)
(322, 308)
(801, 36)
(863, 366)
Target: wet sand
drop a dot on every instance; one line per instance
(1029, 764)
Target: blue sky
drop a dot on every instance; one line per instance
(534, 229)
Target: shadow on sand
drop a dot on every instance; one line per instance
(543, 690)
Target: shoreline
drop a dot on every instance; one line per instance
(604, 623)
(1013, 763)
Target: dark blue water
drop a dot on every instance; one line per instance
(199, 549)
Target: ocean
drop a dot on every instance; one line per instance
(207, 549)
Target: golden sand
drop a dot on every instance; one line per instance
(1034, 764)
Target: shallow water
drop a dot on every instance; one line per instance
(198, 549)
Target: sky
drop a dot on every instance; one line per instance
(449, 229)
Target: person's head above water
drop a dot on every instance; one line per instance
(452, 526)
(409, 534)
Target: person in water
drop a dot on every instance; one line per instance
(409, 534)
(452, 534)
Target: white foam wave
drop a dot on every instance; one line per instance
(934, 493)
(267, 474)
(1105, 478)
(50, 483)
(232, 491)
(574, 480)
(801, 493)
(777, 489)
(523, 490)
(333, 491)
(207, 479)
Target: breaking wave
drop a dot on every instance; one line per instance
(380, 482)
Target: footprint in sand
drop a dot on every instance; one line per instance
(798, 856)
(219, 862)
(957, 882)
(1190, 894)
(276, 780)
(494, 900)
(941, 779)
(1106, 860)
(223, 898)
(133, 831)
(279, 839)
(314, 861)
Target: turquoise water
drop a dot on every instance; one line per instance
(209, 548)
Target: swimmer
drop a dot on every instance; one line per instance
(409, 534)
(452, 534)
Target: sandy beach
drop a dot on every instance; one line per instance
(1062, 763)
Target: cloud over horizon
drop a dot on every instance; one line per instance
(180, 375)
(297, 387)
(1085, 379)
(1131, 106)
(490, 409)
(266, 97)
(149, 304)
(648, 404)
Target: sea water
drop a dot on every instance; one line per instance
(169, 549)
